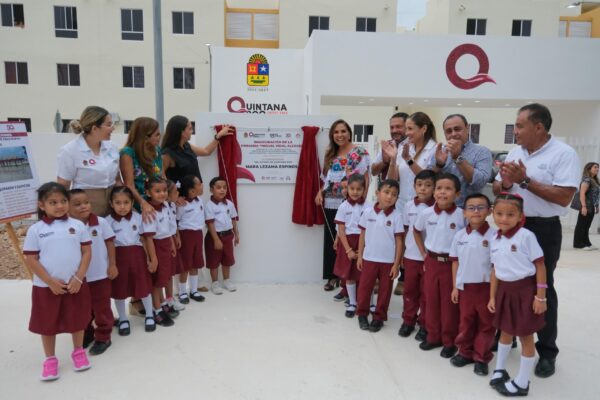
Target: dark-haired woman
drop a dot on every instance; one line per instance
(589, 189)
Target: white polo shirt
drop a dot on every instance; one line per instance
(191, 216)
(440, 227)
(381, 229)
(172, 217)
(221, 213)
(58, 245)
(78, 163)
(100, 233)
(472, 251)
(555, 164)
(349, 213)
(127, 229)
(160, 226)
(514, 254)
(406, 175)
(411, 211)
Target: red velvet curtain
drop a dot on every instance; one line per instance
(308, 181)
(229, 155)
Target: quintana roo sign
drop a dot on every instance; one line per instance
(484, 66)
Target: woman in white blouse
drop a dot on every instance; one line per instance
(413, 156)
(91, 161)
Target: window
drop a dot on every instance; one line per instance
(366, 24)
(133, 77)
(474, 132)
(476, 26)
(362, 133)
(183, 78)
(16, 72)
(132, 24)
(183, 22)
(12, 15)
(26, 121)
(127, 124)
(320, 23)
(68, 74)
(521, 27)
(65, 21)
(509, 136)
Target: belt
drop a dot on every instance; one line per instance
(441, 257)
(542, 219)
(224, 233)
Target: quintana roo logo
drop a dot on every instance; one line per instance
(474, 81)
(257, 70)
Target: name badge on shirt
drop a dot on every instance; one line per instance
(461, 243)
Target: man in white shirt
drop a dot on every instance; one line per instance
(381, 162)
(545, 172)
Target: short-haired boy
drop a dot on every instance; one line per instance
(440, 223)
(379, 253)
(471, 269)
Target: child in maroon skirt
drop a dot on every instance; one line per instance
(517, 293)
(221, 220)
(348, 232)
(101, 271)
(58, 252)
(160, 247)
(134, 279)
(191, 222)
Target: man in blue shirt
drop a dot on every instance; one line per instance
(470, 162)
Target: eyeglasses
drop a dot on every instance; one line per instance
(479, 208)
(108, 125)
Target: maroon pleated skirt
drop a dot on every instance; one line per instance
(514, 308)
(134, 279)
(165, 269)
(52, 314)
(345, 268)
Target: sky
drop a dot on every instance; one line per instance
(10, 152)
(409, 12)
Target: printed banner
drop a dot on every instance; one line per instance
(269, 155)
(18, 176)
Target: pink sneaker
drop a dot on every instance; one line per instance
(50, 369)
(80, 360)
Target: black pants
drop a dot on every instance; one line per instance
(581, 238)
(549, 235)
(328, 238)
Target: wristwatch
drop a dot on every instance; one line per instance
(459, 160)
(525, 183)
(410, 162)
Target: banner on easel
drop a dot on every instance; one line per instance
(18, 175)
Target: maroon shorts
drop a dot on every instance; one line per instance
(514, 308)
(165, 268)
(223, 257)
(134, 279)
(177, 263)
(345, 268)
(53, 314)
(191, 249)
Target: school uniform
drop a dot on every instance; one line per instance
(442, 315)
(58, 244)
(97, 278)
(471, 248)
(134, 279)
(381, 229)
(191, 222)
(348, 215)
(177, 262)
(159, 230)
(221, 213)
(513, 255)
(414, 293)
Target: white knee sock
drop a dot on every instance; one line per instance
(120, 305)
(147, 302)
(351, 289)
(501, 356)
(182, 288)
(193, 283)
(525, 368)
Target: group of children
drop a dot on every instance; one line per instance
(464, 280)
(80, 261)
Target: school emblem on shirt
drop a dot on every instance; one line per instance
(485, 243)
(85, 163)
(72, 231)
(227, 211)
(94, 233)
(453, 226)
(134, 227)
(513, 247)
(388, 223)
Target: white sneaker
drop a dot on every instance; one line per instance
(227, 284)
(177, 305)
(590, 248)
(216, 288)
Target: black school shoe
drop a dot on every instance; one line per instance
(340, 296)
(170, 311)
(163, 319)
(184, 298)
(425, 345)
(124, 328)
(350, 311)
(99, 348)
(448, 352)
(406, 330)
(502, 379)
(363, 322)
(197, 297)
(545, 367)
(149, 327)
(376, 325)
(460, 361)
(480, 369)
(88, 337)
(421, 334)
(501, 388)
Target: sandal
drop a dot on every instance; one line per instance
(124, 328)
(331, 285)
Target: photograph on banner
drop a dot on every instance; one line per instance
(18, 176)
(269, 155)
